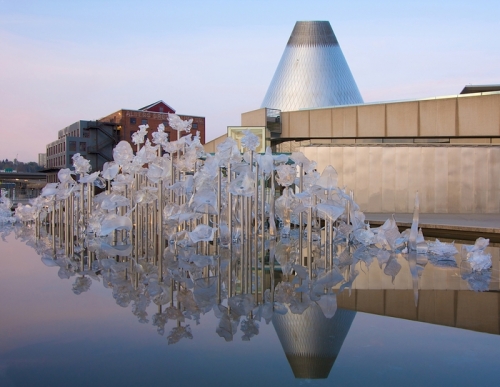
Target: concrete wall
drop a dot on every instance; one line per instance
(254, 118)
(430, 278)
(444, 297)
(211, 146)
(447, 148)
(385, 177)
(469, 115)
(476, 311)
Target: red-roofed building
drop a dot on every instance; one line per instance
(128, 121)
(95, 140)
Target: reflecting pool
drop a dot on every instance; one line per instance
(177, 267)
(393, 323)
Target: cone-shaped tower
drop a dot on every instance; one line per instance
(311, 341)
(312, 72)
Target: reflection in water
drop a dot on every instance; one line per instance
(194, 233)
(311, 314)
(312, 341)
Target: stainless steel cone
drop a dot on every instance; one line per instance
(312, 71)
(311, 341)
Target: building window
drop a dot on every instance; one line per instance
(86, 133)
(161, 109)
(83, 147)
(72, 146)
(195, 126)
(144, 121)
(132, 120)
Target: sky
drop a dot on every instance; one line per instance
(63, 61)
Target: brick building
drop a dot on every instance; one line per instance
(95, 140)
(128, 121)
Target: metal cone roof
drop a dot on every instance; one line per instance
(311, 341)
(312, 71)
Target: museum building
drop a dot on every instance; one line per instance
(447, 147)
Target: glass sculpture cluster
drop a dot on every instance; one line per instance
(191, 232)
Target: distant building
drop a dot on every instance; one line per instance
(21, 186)
(95, 140)
(42, 160)
(128, 121)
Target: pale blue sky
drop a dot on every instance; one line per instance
(62, 61)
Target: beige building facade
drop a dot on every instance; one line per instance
(447, 148)
(465, 118)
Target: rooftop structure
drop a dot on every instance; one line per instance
(470, 89)
(312, 71)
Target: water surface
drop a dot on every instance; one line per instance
(54, 337)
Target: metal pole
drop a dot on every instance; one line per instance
(256, 230)
(301, 220)
(159, 225)
(230, 228)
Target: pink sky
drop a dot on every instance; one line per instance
(61, 63)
